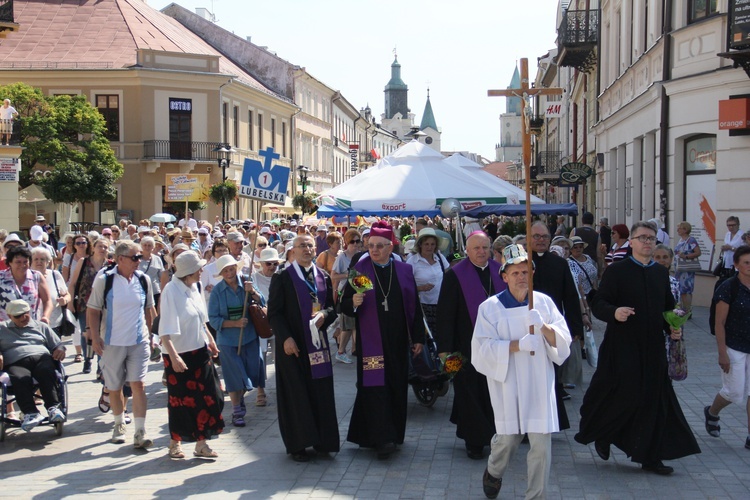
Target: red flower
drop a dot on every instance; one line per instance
(203, 417)
(191, 385)
(172, 379)
(209, 400)
(198, 373)
(174, 401)
(176, 437)
(212, 421)
(201, 387)
(188, 401)
(166, 361)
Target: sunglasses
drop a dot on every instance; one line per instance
(356, 242)
(271, 264)
(262, 245)
(81, 243)
(135, 258)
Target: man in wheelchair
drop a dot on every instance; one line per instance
(30, 350)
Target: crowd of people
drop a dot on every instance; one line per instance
(180, 295)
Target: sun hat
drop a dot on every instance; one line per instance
(188, 263)
(561, 239)
(203, 230)
(17, 307)
(36, 233)
(513, 254)
(224, 261)
(235, 236)
(11, 238)
(40, 218)
(170, 226)
(265, 230)
(187, 234)
(577, 240)
(269, 255)
(143, 229)
(320, 228)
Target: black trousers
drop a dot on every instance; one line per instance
(40, 367)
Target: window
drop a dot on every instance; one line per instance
(283, 139)
(273, 133)
(236, 126)
(260, 131)
(108, 209)
(250, 130)
(225, 122)
(701, 9)
(180, 128)
(109, 107)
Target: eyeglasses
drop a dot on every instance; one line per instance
(355, 242)
(262, 245)
(271, 264)
(305, 245)
(732, 224)
(644, 239)
(21, 315)
(81, 243)
(379, 246)
(540, 236)
(135, 258)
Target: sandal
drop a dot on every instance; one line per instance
(104, 402)
(260, 400)
(175, 450)
(78, 359)
(205, 452)
(712, 423)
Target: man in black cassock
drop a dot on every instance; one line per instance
(304, 375)
(630, 402)
(552, 277)
(465, 286)
(389, 322)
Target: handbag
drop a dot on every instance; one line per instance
(592, 352)
(688, 265)
(592, 293)
(426, 366)
(260, 321)
(68, 322)
(719, 269)
(677, 359)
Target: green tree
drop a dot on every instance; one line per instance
(67, 135)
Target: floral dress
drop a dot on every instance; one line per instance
(685, 278)
(28, 291)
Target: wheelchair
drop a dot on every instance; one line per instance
(8, 397)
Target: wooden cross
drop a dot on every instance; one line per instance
(525, 93)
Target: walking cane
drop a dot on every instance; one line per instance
(247, 294)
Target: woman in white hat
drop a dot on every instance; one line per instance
(195, 399)
(429, 265)
(244, 371)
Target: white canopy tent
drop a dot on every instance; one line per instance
(416, 179)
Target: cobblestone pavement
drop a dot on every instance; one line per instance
(430, 464)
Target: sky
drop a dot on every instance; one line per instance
(457, 49)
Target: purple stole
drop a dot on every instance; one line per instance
(320, 358)
(472, 288)
(370, 341)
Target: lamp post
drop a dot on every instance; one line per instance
(303, 170)
(223, 151)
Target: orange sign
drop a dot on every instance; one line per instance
(734, 114)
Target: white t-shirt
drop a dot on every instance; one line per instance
(192, 223)
(183, 316)
(735, 242)
(424, 274)
(123, 321)
(7, 113)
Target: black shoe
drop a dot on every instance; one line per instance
(657, 468)
(475, 452)
(565, 396)
(87, 366)
(491, 485)
(583, 353)
(602, 449)
(385, 450)
(300, 456)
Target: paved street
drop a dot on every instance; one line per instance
(431, 463)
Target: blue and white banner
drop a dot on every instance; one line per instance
(264, 181)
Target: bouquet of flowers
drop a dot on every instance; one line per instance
(452, 364)
(676, 317)
(359, 282)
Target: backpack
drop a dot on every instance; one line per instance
(110, 279)
(734, 289)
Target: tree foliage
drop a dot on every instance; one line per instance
(67, 135)
(305, 202)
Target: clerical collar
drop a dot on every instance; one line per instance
(650, 263)
(382, 266)
(482, 268)
(509, 301)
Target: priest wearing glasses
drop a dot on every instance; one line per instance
(391, 328)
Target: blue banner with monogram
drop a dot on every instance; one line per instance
(264, 181)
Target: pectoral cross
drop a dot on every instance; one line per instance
(385, 304)
(525, 93)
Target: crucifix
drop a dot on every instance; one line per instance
(525, 93)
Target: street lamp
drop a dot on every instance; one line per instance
(303, 170)
(223, 151)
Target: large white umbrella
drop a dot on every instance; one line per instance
(416, 177)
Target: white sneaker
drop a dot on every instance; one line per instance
(55, 415)
(140, 440)
(31, 420)
(118, 435)
(342, 357)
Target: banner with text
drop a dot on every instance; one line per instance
(9, 169)
(186, 187)
(265, 181)
(354, 155)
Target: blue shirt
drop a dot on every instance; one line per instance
(227, 304)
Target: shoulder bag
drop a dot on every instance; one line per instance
(260, 320)
(67, 324)
(592, 293)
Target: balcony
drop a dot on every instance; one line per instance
(577, 39)
(7, 23)
(548, 165)
(15, 127)
(180, 150)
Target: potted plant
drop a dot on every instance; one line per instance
(222, 192)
